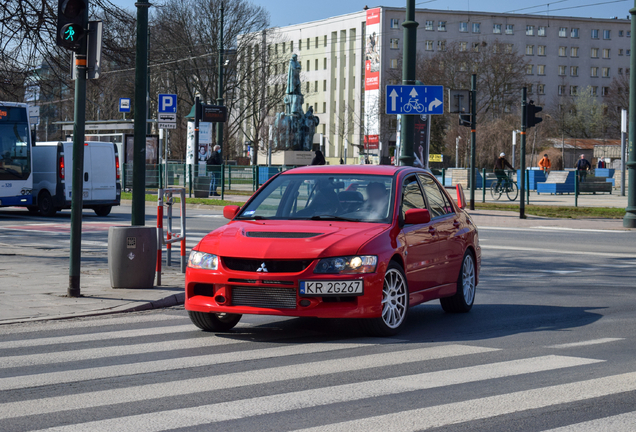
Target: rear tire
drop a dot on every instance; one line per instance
(103, 210)
(495, 191)
(219, 322)
(45, 204)
(395, 304)
(462, 301)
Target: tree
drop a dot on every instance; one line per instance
(616, 101)
(583, 116)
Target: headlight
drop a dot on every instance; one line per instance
(202, 260)
(347, 265)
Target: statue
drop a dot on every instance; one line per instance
(294, 129)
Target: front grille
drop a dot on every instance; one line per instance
(271, 266)
(267, 297)
(266, 282)
(267, 234)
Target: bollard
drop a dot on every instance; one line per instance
(190, 177)
(527, 187)
(222, 182)
(229, 177)
(576, 189)
(159, 233)
(483, 184)
(444, 177)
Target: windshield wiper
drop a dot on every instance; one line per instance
(255, 217)
(333, 217)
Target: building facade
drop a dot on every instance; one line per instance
(348, 59)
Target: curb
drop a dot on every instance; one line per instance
(171, 300)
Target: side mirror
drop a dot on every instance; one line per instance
(230, 211)
(461, 198)
(417, 216)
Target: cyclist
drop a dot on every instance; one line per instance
(500, 165)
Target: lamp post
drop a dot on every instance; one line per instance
(408, 77)
(219, 99)
(629, 221)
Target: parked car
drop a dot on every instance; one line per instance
(339, 241)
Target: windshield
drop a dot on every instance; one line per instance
(358, 198)
(15, 155)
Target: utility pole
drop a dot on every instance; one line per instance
(629, 221)
(407, 129)
(473, 138)
(219, 99)
(623, 148)
(522, 154)
(139, 146)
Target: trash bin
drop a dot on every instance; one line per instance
(202, 186)
(132, 256)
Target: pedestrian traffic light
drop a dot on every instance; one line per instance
(531, 115)
(72, 21)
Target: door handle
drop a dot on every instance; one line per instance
(85, 176)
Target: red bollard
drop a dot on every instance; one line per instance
(159, 234)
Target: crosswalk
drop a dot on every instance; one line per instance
(155, 372)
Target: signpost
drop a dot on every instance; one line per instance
(166, 119)
(414, 99)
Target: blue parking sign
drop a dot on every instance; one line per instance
(167, 103)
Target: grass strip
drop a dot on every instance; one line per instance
(563, 212)
(204, 201)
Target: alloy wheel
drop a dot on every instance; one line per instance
(394, 298)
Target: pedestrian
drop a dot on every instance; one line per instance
(500, 165)
(582, 166)
(319, 159)
(214, 163)
(545, 164)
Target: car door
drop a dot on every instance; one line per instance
(420, 240)
(447, 226)
(103, 173)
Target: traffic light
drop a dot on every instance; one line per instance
(72, 21)
(465, 120)
(531, 115)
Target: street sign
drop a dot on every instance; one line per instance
(34, 115)
(214, 113)
(436, 158)
(167, 117)
(124, 105)
(414, 99)
(167, 103)
(167, 125)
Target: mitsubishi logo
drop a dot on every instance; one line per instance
(262, 268)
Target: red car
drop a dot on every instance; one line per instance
(342, 241)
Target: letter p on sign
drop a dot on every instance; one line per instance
(167, 103)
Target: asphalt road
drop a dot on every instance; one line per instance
(549, 345)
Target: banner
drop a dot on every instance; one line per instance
(421, 140)
(372, 80)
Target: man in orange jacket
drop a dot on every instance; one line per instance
(545, 163)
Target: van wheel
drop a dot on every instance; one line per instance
(33, 210)
(103, 210)
(45, 204)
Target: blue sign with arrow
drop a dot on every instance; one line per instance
(414, 99)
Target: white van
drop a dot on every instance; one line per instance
(53, 177)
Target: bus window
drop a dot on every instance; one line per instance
(15, 154)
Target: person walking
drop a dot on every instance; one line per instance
(319, 159)
(582, 167)
(500, 165)
(545, 164)
(213, 164)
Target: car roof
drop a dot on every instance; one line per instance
(387, 170)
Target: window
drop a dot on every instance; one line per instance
(316, 87)
(561, 90)
(620, 52)
(574, 52)
(463, 67)
(316, 64)
(620, 33)
(529, 88)
(541, 31)
(606, 53)
(441, 45)
(437, 201)
(441, 26)
(620, 71)
(411, 195)
(540, 69)
(476, 46)
(510, 29)
(629, 33)
(394, 44)
(529, 49)
(529, 69)
(283, 47)
(324, 61)
(307, 89)
(594, 72)
(291, 46)
(563, 32)
(627, 52)
(574, 71)
(605, 91)
(496, 28)
(541, 50)
(594, 33)
(594, 90)
(300, 45)
(607, 34)
(510, 48)
(324, 109)
(594, 53)
(574, 33)
(429, 25)
(428, 45)
(463, 27)
(606, 72)
(316, 42)
(394, 64)
(562, 51)
(541, 89)
(324, 40)
(476, 27)
(324, 85)
(463, 46)
(574, 90)
(395, 23)
(529, 30)
(562, 70)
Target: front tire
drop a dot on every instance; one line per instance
(512, 191)
(462, 301)
(219, 322)
(103, 210)
(395, 304)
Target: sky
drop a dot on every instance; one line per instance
(286, 12)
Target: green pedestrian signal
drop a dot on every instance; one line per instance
(72, 20)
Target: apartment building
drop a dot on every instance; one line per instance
(347, 59)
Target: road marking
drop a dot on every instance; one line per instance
(586, 343)
(232, 380)
(560, 271)
(188, 417)
(37, 380)
(618, 423)
(555, 251)
(483, 408)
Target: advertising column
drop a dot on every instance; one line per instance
(372, 82)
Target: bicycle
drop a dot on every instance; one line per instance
(507, 186)
(413, 104)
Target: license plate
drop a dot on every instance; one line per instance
(327, 288)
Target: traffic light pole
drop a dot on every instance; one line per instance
(522, 154)
(139, 145)
(407, 129)
(219, 99)
(629, 220)
(473, 138)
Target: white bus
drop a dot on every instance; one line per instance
(16, 179)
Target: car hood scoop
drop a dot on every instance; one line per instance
(278, 234)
